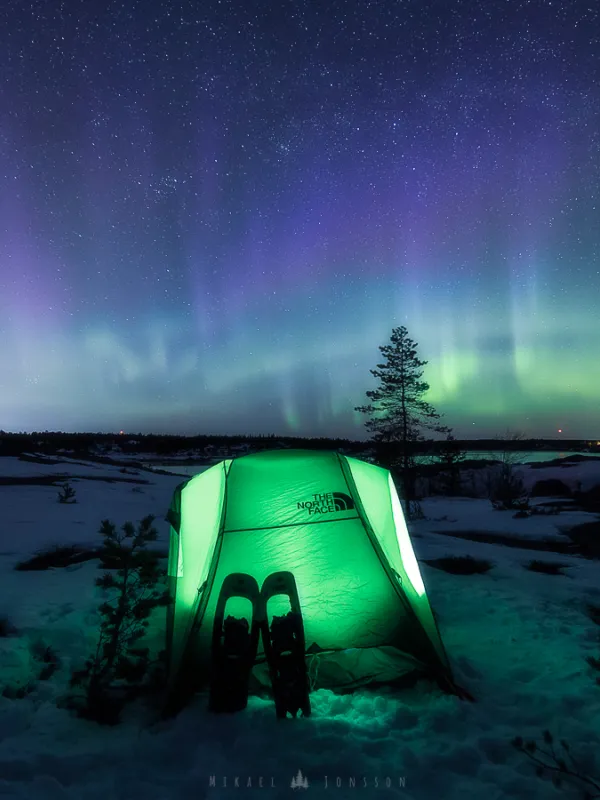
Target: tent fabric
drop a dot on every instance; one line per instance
(337, 524)
(346, 670)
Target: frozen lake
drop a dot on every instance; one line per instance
(534, 456)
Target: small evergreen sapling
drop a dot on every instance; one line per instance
(118, 668)
(558, 764)
(506, 488)
(66, 496)
(451, 457)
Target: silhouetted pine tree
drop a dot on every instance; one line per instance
(398, 413)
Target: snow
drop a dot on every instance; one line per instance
(466, 514)
(517, 640)
(584, 472)
(26, 529)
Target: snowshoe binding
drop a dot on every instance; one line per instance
(284, 645)
(234, 646)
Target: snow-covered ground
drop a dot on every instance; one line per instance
(517, 639)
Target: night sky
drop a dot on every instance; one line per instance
(213, 212)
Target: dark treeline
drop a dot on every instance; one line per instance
(49, 442)
(80, 444)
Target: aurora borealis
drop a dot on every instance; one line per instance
(213, 213)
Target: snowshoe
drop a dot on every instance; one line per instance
(234, 646)
(284, 645)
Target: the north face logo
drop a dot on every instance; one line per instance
(327, 503)
(342, 502)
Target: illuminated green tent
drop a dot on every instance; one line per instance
(337, 524)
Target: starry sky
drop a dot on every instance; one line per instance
(213, 213)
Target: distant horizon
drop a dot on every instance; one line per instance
(133, 434)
